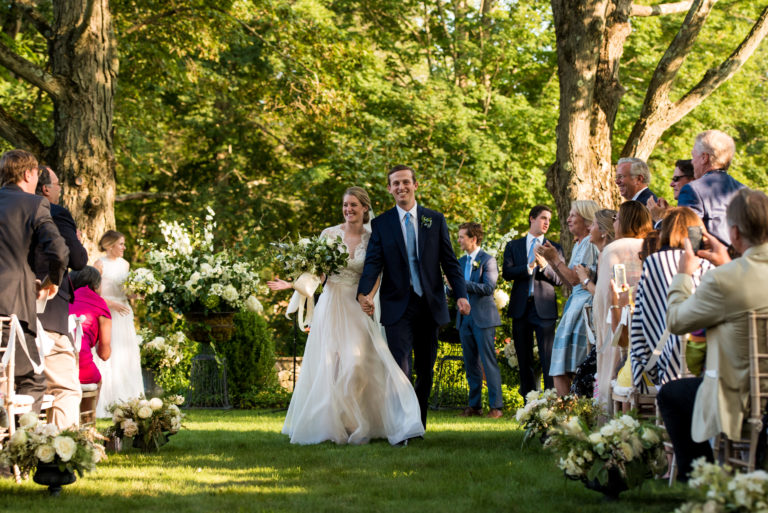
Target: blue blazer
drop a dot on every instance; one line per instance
(515, 267)
(480, 287)
(708, 197)
(387, 255)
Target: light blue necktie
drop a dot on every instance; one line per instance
(413, 260)
(531, 258)
(468, 268)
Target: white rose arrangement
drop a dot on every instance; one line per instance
(148, 423)
(73, 450)
(545, 411)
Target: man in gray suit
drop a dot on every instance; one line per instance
(25, 224)
(478, 329)
(711, 191)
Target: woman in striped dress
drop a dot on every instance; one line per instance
(649, 319)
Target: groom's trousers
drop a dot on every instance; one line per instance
(416, 330)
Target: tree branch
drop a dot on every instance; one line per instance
(37, 19)
(642, 11)
(151, 20)
(19, 135)
(30, 72)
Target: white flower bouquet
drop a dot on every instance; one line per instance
(162, 351)
(723, 491)
(192, 276)
(142, 282)
(147, 422)
(315, 255)
(624, 445)
(544, 411)
(72, 450)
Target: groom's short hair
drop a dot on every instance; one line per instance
(401, 167)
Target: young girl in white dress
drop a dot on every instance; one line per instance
(350, 390)
(121, 374)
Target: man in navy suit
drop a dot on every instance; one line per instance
(633, 177)
(478, 330)
(711, 191)
(409, 245)
(533, 305)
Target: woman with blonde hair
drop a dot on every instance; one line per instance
(570, 346)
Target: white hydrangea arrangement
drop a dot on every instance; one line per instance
(142, 282)
(147, 422)
(545, 410)
(162, 351)
(634, 448)
(316, 255)
(73, 450)
(187, 274)
(723, 491)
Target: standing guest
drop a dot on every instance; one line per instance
(409, 247)
(61, 363)
(478, 329)
(632, 178)
(682, 175)
(570, 345)
(533, 305)
(25, 225)
(121, 375)
(97, 327)
(720, 305)
(711, 191)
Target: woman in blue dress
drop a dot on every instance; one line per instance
(570, 346)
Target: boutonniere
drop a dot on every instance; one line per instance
(475, 264)
(426, 222)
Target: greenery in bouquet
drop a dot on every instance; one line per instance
(142, 282)
(545, 411)
(73, 450)
(147, 422)
(316, 255)
(634, 448)
(162, 351)
(722, 491)
(188, 274)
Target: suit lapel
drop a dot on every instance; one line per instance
(422, 232)
(397, 233)
(474, 274)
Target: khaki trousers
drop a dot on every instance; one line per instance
(62, 371)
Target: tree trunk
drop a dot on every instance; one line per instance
(84, 52)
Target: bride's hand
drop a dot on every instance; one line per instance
(366, 303)
(278, 284)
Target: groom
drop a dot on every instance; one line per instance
(409, 244)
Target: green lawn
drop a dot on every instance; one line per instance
(238, 461)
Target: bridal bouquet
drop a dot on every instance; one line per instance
(545, 411)
(142, 282)
(724, 491)
(148, 423)
(315, 255)
(73, 450)
(192, 276)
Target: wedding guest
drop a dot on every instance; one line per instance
(631, 224)
(533, 305)
(649, 319)
(720, 305)
(97, 327)
(632, 178)
(478, 329)
(570, 346)
(25, 224)
(61, 363)
(682, 175)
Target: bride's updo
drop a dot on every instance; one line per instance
(362, 197)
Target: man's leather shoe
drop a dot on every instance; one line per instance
(471, 412)
(495, 413)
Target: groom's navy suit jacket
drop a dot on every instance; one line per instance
(386, 252)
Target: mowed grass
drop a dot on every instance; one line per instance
(233, 461)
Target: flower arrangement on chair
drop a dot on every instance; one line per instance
(545, 410)
(147, 423)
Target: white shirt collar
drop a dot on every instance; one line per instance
(639, 193)
(529, 238)
(473, 255)
(401, 213)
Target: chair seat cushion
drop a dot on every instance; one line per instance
(89, 387)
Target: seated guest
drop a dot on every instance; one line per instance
(478, 329)
(649, 320)
(97, 327)
(631, 225)
(570, 346)
(720, 305)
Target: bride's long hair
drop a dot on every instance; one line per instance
(364, 199)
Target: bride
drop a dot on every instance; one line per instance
(350, 390)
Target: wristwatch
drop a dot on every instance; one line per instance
(584, 283)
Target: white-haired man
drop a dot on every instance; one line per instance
(633, 177)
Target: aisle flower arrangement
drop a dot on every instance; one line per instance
(723, 491)
(623, 449)
(162, 351)
(545, 411)
(316, 255)
(186, 273)
(34, 442)
(146, 423)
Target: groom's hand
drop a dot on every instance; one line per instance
(463, 305)
(366, 303)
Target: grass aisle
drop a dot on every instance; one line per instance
(238, 461)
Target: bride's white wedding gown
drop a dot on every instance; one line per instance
(350, 390)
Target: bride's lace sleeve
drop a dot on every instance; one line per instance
(331, 232)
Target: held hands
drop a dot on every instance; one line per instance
(463, 306)
(366, 303)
